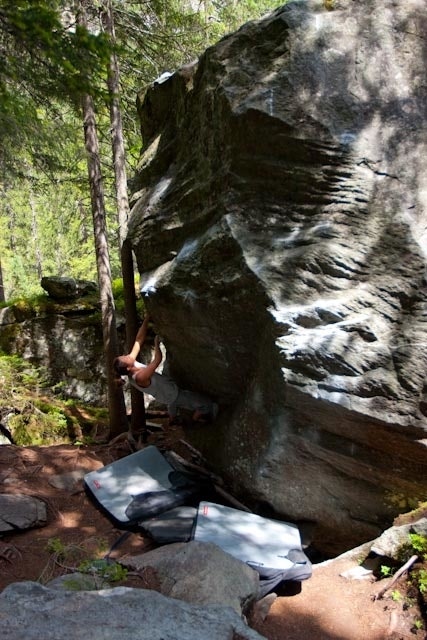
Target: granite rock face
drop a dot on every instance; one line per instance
(280, 228)
(200, 573)
(30, 611)
(64, 288)
(21, 512)
(65, 339)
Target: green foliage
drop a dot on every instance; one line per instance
(418, 543)
(15, 376)
(117, 286)
(51, 226)
(422, 580)
(74, 557)
(72, 552)
(30, 305)
(54, 545)
(418, 624)
(46, 64)
(396, 596)
(105, 569)
(43, 60)
(35, 428)
(118, 293)
(40, 418)
(386, 571)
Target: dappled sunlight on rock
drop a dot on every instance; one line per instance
(290, 266)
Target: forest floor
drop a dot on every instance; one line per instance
(325, 607)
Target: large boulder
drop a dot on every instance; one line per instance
(29, 611)
(280, 228)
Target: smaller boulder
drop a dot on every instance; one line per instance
(21, 512)
(200, 573)
(64, 288)
(68, 481)
(7, 316)
(391, 541)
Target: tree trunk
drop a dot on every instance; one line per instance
(138, 420)
(2, 295)
(117, 140)
(35, 235)
(116, 404)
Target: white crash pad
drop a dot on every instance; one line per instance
(251, 538)
(115, 485)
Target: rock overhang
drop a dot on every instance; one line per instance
(282, 249)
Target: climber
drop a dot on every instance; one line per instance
(160, 386)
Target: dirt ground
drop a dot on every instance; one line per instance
(325, 607)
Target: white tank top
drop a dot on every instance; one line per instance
(161, 387)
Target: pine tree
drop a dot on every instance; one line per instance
(138, 420)
(116, 405)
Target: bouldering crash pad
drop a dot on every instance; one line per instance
(145, 492)
(271, 547)
(140, 486)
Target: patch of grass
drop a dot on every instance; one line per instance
(74, 558)
(418, 625)
(41, 303)
(54, 545)
(422, 581)
(107, 570)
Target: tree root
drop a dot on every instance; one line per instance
(395, 578)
